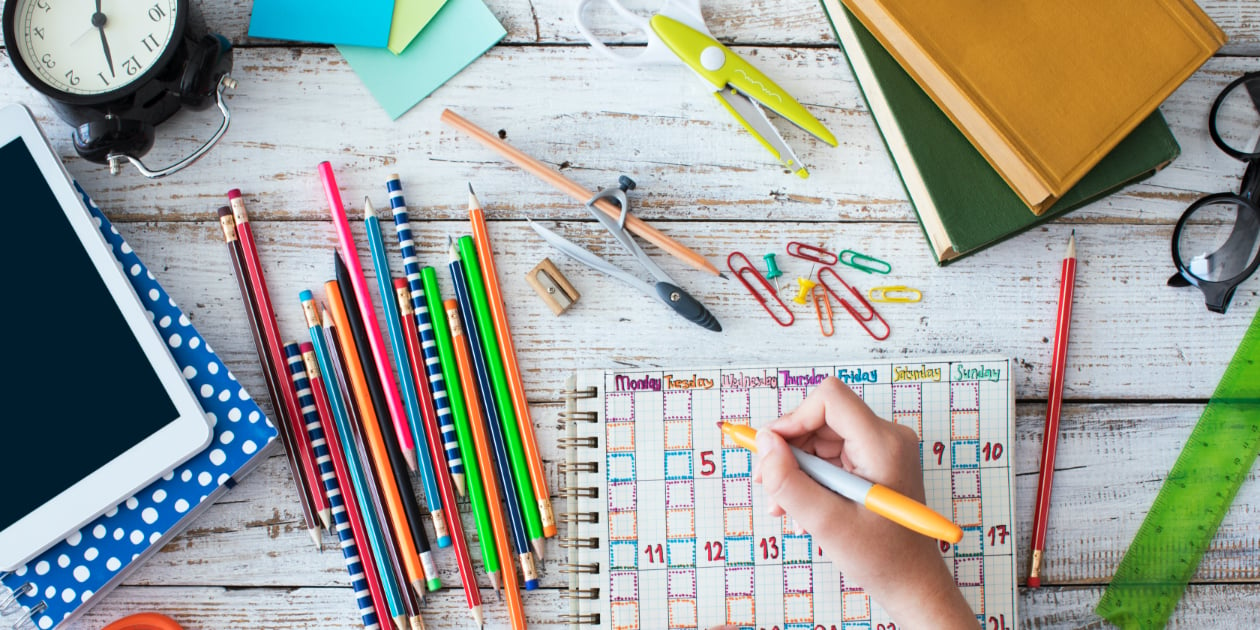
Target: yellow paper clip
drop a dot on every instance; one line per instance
(898, 293)
(822, 306)
(806, 285)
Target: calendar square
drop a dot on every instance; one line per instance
(625, 615)
(736, 462)
(619, 407)
(739, 581)
(623, 554)
(964, 396)
(678, 405)
(966, 484)
(907, 398)
(912, 419)
(678, 464)
(738, 521)
(740, 611)
(965, 453)
(727, 442)
(965, 425)
(739, 551)
(622, 497)
(798, 579)
(972, 543)
(623, 586)
(735, 403)
(680, 553)
(621, 467)
(737, 492)
(681, 584)
(679, 494)
(623, 525)
(797, 548)
(799, 608)
(975, 597)
(680, 523)
(790, 398)
(677, 435)
(855, 625)
(855, 606)
(969, 571)
(682, 613)
(620, 437)
(967, 512)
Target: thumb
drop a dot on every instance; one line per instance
(820, 511)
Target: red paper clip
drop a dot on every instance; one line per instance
(862, 320)
(811, 253)
(822, 306)
(747, 267)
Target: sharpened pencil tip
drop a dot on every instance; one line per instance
(368, 210)
(470, 190)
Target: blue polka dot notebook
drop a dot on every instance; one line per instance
(62, 582)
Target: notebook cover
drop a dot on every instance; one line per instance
(358, 23)
(963, 204)
(90, 562)
(1044, 90)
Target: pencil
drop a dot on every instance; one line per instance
(232, 237)
(516, 609)
(577, 191)
(411, 400)
(464, 561)
(433, 377)
(463, 432)
(368, 314)
(390, 476)
(363, 593)
(520, 403)
(328, 383)
(877, 498)
(489, 364)
(1050, 437)
(393, 577)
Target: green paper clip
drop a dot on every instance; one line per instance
(862, 262)
(897, 293)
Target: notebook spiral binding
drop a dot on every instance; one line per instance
(573, 518)
(15, 614)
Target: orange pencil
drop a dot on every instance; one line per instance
(516, 608)
(537, 475)
(376, 447)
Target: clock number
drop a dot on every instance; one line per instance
(38, 31)
(150, 43)
(43, 5)
(131, 65)
(156, 13)
(71, 78)
(48, 61)
(101, 76)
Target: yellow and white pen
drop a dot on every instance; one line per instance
(879, 499)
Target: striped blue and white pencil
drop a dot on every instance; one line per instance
(328, 476)
(428, 342)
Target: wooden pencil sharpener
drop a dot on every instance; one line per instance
(552, 286)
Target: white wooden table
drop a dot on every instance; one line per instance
(1144, 357)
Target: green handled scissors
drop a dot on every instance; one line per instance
(677, 33)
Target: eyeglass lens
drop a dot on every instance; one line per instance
(1220, 240)
(1237, 120)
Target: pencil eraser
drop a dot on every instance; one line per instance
(531, 585)
(306, 346)
(305, 296)
(434, 584)
(444, 542)
(235, 193)
(1034, 582)
(225, 211)
(400, 283)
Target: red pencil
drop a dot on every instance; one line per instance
(275, 349)
(1050, 438)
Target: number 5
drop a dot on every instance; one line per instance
(707, 466)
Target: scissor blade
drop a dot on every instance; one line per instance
(586, 257)
(749, 114)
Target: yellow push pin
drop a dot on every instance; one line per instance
(806, 285)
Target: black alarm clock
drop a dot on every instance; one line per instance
(115, 69)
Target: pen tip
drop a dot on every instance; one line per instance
(719, 424)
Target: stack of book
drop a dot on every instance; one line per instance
(1000, 117)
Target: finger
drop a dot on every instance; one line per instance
(813, 507)
(832, 404)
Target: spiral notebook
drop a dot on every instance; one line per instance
(61, 583)
(665, 528)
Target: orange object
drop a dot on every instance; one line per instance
(577, 191)
(463, 361)
(537, 475)
(375, 445)
(145, 621)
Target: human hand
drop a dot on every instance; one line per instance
(900, 569)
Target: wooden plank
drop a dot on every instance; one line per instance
(757, 22)
(692, 161)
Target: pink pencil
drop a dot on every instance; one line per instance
(350, 255)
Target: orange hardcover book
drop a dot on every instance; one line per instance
(1044, 90)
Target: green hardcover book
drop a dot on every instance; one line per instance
(962, 203)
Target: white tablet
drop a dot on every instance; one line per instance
(92, 405)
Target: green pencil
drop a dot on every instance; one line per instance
(502, 395)
(463, 432)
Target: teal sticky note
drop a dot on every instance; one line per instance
(460, 32)
(358, 23)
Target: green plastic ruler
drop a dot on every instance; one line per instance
(1166, 551)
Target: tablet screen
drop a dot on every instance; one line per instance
(77, 387)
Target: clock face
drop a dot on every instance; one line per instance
(91, 47)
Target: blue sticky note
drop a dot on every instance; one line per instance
(358, 23)
(460, 32)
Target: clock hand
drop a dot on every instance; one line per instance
(98, 20)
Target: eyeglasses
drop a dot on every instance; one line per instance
(1216, 244)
